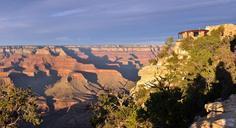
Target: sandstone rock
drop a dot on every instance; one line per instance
(229, 29)
(27, 51)
(63, 72)
(62, 104)
(23, 51)
(42, 105)
(116, 81)
(69, 87)
(29, 73)
(81, 76)
(43, 51)
(4, 74)
(60, 51)
(216, 107)
(147, 74)
(220, 115)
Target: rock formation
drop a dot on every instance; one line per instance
(229, 29)
(149, 73)
(95, 65)
(64, 76)
(220, 115)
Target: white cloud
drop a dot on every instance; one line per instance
(68, 12)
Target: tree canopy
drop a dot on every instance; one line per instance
(17, 107)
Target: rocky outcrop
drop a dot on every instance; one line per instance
(60, 51)
(69, 87)
(117, 80)
(43, 51)
(147, 74)
(220, 115)
(229, 29)
(150, 73)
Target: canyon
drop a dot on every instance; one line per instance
(67, 79)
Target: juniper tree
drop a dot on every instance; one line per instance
(17, 107)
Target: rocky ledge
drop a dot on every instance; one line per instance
(220, 115)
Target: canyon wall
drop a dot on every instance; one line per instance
(42, 67)
(69, 78)
(64, 76)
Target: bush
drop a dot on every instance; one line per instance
(116, 111)
(164, 106)
(17, 107)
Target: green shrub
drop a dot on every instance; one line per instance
(17, 107)
(116, 111)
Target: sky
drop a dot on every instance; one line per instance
(79, 22)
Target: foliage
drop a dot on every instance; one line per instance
(170, 107)
(152, 61)
(116, 111)
(163, 108)
(142, 95)
(207, 72)
(165, 49)
(17, 106)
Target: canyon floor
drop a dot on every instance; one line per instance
(67, 79)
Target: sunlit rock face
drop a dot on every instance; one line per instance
(220, 115)
(147, 74)
(229, 29)
(64, 76)
(95, 68)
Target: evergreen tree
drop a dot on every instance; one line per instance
(17, 107)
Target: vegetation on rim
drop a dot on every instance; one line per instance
(207, 72)
(17, 107)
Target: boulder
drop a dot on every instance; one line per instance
(220, 115)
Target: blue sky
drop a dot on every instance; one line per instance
(41, 22)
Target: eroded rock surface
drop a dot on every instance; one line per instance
(220, 115)
(68, 78)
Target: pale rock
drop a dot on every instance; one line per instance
(229, 29)
(43, 51)
(216, 106)
(147, 74)
(220, 115)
